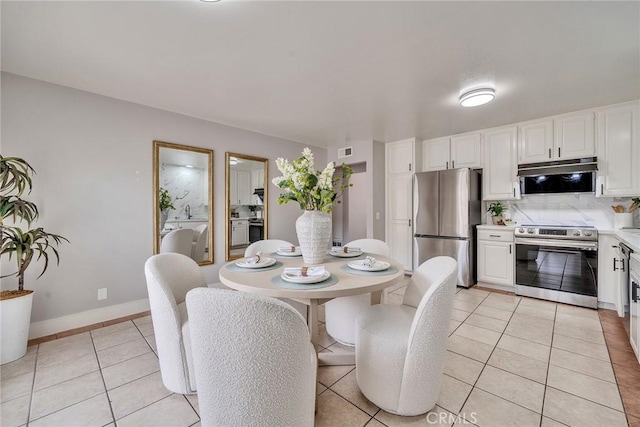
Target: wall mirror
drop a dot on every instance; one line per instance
(247, 193)
(183, 200)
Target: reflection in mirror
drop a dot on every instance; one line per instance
(183, 195)
(247, 193)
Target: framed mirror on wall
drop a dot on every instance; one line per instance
(247, 193)
(183, 200)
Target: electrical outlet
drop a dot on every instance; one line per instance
(102, 294)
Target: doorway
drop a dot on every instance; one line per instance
(350, 213)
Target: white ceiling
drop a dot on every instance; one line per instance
(323, 73)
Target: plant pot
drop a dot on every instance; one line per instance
(314, 234)
(497, 220)
(15, 318)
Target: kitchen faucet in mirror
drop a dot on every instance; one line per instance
(246, 202)
(183, 196)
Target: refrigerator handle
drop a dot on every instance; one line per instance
(409, 222)
(453, 164)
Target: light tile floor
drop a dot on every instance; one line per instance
(510, 361)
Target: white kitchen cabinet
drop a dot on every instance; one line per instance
(240, 187)
(499, 177)
(535, 142)
(608, 281)
(257, 179)
(458, 151)
(496, 257)
(574, 136)
(634, 304)
(401, 161)
(239, 232)
(618, 151)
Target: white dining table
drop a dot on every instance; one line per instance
(349, 282)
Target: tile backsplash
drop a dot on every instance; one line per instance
(566, 209)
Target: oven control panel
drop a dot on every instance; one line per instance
(557, 232)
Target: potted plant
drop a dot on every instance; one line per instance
(15, 305)
(165, 205)
(496, 209)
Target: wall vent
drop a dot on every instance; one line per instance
(345, 152)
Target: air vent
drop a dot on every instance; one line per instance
(345, 152)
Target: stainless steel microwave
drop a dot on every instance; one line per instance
(567, 176)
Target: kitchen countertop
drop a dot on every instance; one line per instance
(630, 237)
(174, 220)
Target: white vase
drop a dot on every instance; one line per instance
(163, 218)
(314, 234)
(15, 317)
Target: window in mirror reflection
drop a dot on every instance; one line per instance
(182, 178)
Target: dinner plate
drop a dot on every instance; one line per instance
(289, 253)
(377, 266)
(305, 279)
(264, 262)
(342, 254)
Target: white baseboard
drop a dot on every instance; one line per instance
(86, 318)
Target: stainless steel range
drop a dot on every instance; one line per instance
(557, 263)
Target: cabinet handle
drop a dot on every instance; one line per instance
(634, 291)
(614, 262)
(601, 189)
(409, 167)
(494, 235)
(558, 151)
(514, 191)
(549, 152)
(453, 164)
(622, 262)
(447, 165)
(409, 222)
(509, 249)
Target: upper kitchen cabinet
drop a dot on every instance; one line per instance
(499, 177)
(565, 137)
(574, 136)
(618, 150)
(459, 151)
(239, 187)
(401, 156)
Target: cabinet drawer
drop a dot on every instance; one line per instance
(496, 235)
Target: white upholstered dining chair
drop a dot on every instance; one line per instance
(254, 361)
(408, 341)
(199, 242)
(177, 241)
(169, 277)
(269, 246)
(341, 313)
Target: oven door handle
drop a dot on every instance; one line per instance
(588, 246)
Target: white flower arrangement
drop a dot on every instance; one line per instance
(313, 190)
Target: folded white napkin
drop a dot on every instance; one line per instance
(305, 271)
(288, 249)
(368, 262)
(345, 249)
(254, 259)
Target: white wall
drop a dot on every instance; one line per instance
(93, 158)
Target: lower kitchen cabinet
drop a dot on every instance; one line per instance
(496, 257)
(239, 232)
(634, 304)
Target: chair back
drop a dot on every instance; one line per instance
(253, 358)
(427, 344)
(178, 241)
(269, 245)
(373, 246)
(169, 277)
(199, 242)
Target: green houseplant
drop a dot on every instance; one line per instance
(165, 204)
(23, 246)
(496, 209)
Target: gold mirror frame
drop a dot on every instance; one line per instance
(157, 145)
(264, 205)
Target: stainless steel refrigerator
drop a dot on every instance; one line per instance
(446, 209)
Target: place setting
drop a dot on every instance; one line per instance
(255, 263)
(345, 252)
(289, 251)
(304, 278)
(369, 266)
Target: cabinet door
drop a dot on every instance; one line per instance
(574, 136)
(400, 157)
(466, 151)
(499, 177)
(257, 179)
(244, 187)
(634, 313)
(535, 142)
(607, 280)
(233, 187)
(399, 227)
(435, 154)
(618, 151)
(495, 263)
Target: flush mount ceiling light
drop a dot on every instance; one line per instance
(477, 97)
(188, 166)
(233, 161)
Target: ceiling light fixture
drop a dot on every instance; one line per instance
(188, 166)
(477, 97)
(209, 1)
(233, 161)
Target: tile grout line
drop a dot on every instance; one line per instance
(106, 391)
(546, 378)
(33, 385)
